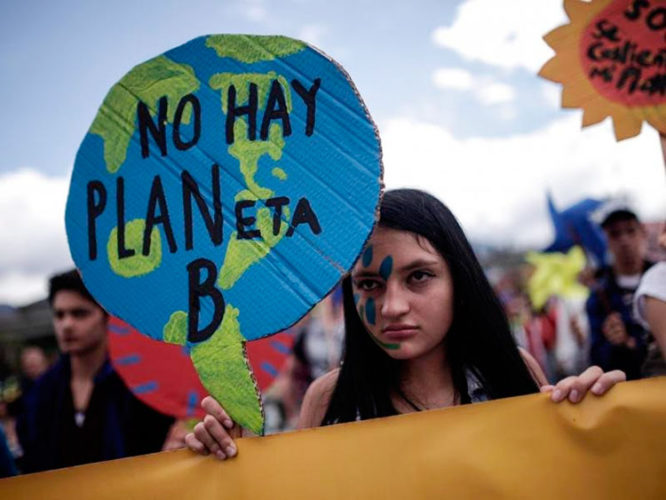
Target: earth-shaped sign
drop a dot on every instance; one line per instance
(223, 189)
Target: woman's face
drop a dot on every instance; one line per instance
(403, 292)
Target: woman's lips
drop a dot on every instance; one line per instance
(399, 332)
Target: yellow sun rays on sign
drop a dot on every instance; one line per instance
(611, 61)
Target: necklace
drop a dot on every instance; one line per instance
(408, 401)
(415, 407)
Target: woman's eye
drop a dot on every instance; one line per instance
(366, 285)
(420, 276)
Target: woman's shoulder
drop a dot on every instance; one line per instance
(316, 400)
(533, 367)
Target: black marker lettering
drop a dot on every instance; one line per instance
(146, 124)
(152, 219)
(277, 204)
(196, 290)
(635, 11)
(233, 111)
(214, 223)
(304, 215)
(630, 72)
(276, 109)
(656, 19)
(243, 222)
(308, 97)
(120, 213)
(95, 209)
(196, 118)
(606, 30)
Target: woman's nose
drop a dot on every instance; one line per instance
(396, 301)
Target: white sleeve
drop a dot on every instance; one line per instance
(653, 284)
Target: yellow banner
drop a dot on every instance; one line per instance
(526, 447)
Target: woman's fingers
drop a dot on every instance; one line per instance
(214, 433)
(561, 389)
(220, 436)
(594, 379)
(608, 380)
(194, 444)
(202, 434)
(574, 388)
(214, 408)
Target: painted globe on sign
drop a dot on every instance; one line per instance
(271, 128)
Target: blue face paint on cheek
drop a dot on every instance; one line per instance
(370, 311)
(367, 256)
(356, 298)
(386, 267)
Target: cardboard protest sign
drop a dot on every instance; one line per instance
(223, 189)
(162, 375)
(611, 60)
(525, 447)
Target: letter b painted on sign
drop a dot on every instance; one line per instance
(198, 289)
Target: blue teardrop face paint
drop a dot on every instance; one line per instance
(368, 310)
(386, 267)
(370, 313)
(356, 298)
(367, 257)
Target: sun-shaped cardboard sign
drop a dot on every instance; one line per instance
(611, 60)
(223, 189)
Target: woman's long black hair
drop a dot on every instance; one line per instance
(479, 339)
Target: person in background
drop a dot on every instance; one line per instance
(33, 362)
(650, 310)
(617, 340)
(33, 365)
(7, 465)
(80, 411)
(317, 350)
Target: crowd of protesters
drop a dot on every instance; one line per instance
(609, 328)
(78, 410)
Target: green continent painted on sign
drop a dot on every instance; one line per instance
(241, 254)
(175, 331)
(279, 173)
(137, 264)
(251, 49)
(116, 119)
(241, 82)
(222, 366)
(248, 153)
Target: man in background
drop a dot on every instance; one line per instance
(80, 411)
(617, 339)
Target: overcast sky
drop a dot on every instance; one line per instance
(452, 86)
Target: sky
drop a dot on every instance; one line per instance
(451, 85)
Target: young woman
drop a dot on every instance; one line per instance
(423, 330)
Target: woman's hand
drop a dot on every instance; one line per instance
(574, 388)
(215, 434)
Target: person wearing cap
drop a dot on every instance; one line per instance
(617, 339)
(80, 411)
